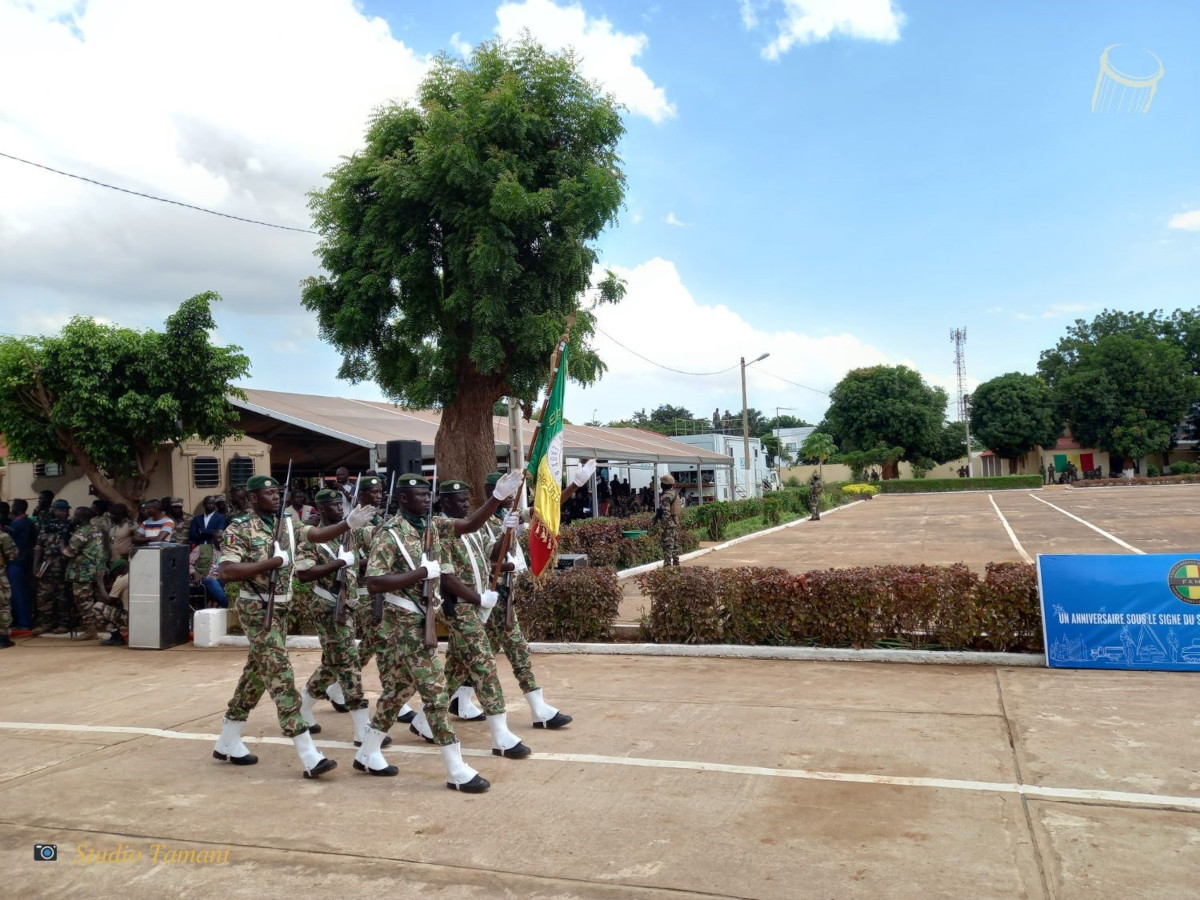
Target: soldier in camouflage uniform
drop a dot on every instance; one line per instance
(87, 555)
(49, 566)
(8, 554)
(512, 640)
(667, 519)
(466, 607)
(182, 520)
(814, 498)
(323, 567)
(249, 556)
(399, 567)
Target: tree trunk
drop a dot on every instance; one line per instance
(103, 485)
(1012, 467)
(891, 470)
(465, 446)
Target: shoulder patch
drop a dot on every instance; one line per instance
(240, 518)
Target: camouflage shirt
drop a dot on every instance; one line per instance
(89, 546)
(8, 553)
(250, 538)
(384, 556)
(179, 534)
(670, 504)
(52, 540)
(310, 554)
(465, 554)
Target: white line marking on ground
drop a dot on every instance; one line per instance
(1111, 537)
(1012, 537)
(1066, 795)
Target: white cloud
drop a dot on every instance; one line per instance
(672, 220)
(1188, 221)
(605, 55)
(660, 319)
(814, 21)
(463, 48)
(749, 10)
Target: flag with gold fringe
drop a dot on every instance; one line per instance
(546, 467)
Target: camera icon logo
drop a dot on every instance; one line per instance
(45, 852)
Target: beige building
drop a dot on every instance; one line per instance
(191, 471)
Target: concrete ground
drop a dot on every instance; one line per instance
(702, 777)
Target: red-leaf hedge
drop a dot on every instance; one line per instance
(577, 604)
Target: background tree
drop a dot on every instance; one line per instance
(668, 419)
(951, 444)
(106, 398)
(819, 446)
(1013, 413)
(458, 241)
(886, 406)
(774, 449)
(1123, 392)
(786, 421)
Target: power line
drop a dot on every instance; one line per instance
(113, 187)
(660, 365)
(794, 383)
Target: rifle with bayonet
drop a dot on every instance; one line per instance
(339, 608)
(273, 578)
(377, 599)
(429, 591)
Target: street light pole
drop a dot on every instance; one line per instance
(746, 420)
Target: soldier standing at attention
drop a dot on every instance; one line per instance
(667, 519)
(48, 567)
(250, 554)
(814, 498)
(398, 567)
(466, 607)
(87, 555)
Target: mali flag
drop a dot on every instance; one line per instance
(546, 467)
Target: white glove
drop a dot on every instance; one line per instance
(360, 516)
(584, 473)
(506, 487)
(432, 569)
(348, 557)
(512, 522)
(488, 599)
(281, 554)
(518, 562)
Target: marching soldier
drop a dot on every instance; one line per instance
(399, 568)
(87, 555)
(469, 656)
(249, 556)
(667, 518)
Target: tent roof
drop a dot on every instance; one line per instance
(370, 424)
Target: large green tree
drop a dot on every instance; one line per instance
(457, 242)
(106, 398)
(1122, 383)
(886, 406)
(1013, 413)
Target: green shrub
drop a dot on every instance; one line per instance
(577, 604)
(1152, 471)
(772, 510)
(997, 483)
(866, 491)
(1139, 480)
(1184, 468)
(791, 481)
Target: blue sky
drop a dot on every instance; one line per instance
(898, 170)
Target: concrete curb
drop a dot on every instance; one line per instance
(650, 567)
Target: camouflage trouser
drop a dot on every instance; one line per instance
(84, 593)
(470, 659)
(670, 545)
(814, 506)
(110, 616)
(52, 608)
(339, 658)
(404, 660)
(511, 642)
(302, 611)
(267, 668)
(365, 630)
(6, 619)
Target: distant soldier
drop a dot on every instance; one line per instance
(667, 518)
(814, 498)
(49, 566)
(87, 555)
(8, 554)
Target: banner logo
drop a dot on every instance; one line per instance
(1184, 581)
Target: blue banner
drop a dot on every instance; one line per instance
(1121, 611)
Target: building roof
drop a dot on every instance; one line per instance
(309, 422)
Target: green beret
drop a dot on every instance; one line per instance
(259, 482)
(454, 487)
(328, 495)
(60, 504)
(412, 480)
(370, 481)
(493, 478)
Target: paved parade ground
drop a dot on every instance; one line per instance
(706, 777)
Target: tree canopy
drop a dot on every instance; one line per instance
(457, 242)
(819, 446)
(1013, 413)
(886, 407)
(106, 397)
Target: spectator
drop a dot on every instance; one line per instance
(43, 512)
(5, 515)
(222, 504)
(238, 503)
(203, 564)
(206, 524)
(87, 555)
(120, 533)
(49, 567)
(182, 520)
(299, 509)
(155, 527)
(343, 483)
(20, 573)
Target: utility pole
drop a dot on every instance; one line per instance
(959, 337)
(746, 420)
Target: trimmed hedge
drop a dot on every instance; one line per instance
(912, 606)
(1137, 480)
(925, 485)
(577, 604)
(604, 542)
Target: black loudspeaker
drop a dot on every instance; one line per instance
(404, 457)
